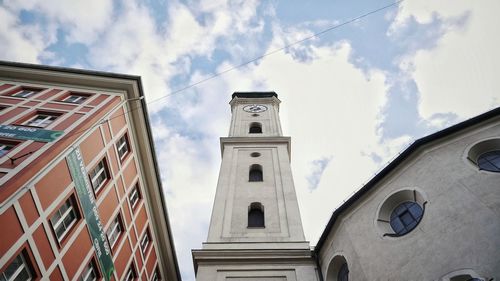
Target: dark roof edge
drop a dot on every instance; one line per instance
(158, 178)
(70, 70)
(398, 160)
(138, 80)
(254, 95)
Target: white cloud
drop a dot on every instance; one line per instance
(229, 16)
(189, 167)
(459, 75)
(83, 20)
(20, 42)
(134, 44)
(317, 166)
(425, 11)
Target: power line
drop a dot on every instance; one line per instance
(318, 34)
(217, 74)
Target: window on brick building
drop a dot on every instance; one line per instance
(6, 146)
(90, 273)
(99, 175)
(145, 241)
(18, 269)
(42, 119)
(156, 275)
(134, 196)
(25, 93)
(115, 230)
(64, 218)
(131, 273)
(123, 147)
(75, 98)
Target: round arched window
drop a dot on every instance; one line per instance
(343, 273)
(489, 161)
(256, 215)
(255, 128)
(405, 217)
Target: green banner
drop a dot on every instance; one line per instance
(28, 133)
(90, 212)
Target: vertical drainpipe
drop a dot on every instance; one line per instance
(316, 258)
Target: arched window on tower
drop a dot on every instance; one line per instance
(256, 215)
(255, 173)
(255, 128)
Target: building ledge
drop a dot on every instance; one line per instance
(256, 141)
(261, 256)
(298, 245)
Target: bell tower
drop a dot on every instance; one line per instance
(255, 231)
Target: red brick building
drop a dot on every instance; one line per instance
(61, 222)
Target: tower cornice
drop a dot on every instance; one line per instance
(256, 141)
(254, 94)
(273, 100)
(253, 256)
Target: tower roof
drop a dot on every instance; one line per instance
(254, 95)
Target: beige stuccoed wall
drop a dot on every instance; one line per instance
(460, 228)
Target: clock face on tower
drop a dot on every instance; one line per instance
(255, 108)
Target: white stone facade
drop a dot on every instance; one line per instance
(234, 250)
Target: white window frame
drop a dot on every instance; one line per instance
(41, 123)
(24, 93)
(155, 275)
(134, 194)
(144, 247)
(131, 273)
(75, 98)
(71, 209)
(89, 269)
(121, 144)
(115, 230)
(97, 185)
(22, 266)
(5, 148)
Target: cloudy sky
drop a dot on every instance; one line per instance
(352, 98)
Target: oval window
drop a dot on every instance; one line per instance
(489, 161)
(405, 217)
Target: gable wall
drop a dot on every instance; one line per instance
(459, 229)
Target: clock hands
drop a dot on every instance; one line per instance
(255, 108)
